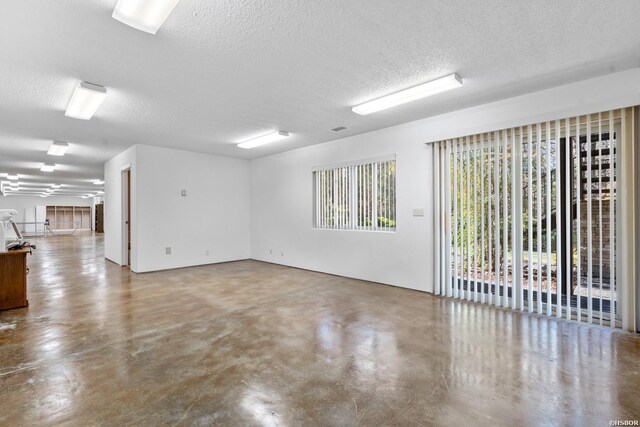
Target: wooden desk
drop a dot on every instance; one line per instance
(13, 279)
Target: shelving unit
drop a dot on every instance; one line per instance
(64, 217)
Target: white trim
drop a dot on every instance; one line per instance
(437, 241)
(125, 220)
(548, 215)
(568, 202)
(626, 224)
(380, 159)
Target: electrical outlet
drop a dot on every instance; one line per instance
(270, 251)
(167, 250)
(183, 193)
(282, 253)
(206, 252)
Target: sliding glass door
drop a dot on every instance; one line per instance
(527, 217)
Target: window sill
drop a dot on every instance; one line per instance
(356, 230)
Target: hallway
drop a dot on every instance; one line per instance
(251, 343)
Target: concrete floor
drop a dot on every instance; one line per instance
(249, 343)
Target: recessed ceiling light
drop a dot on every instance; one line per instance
(98, 181)
(48, 167)
(12, 177)
(58, 148)
(433, 87)
(265, 139)
(85, 101)
(144, 15)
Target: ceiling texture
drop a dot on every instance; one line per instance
(220, 72)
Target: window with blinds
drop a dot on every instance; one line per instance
(529, 218)
(358, 196)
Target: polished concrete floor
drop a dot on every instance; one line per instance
(249, 343)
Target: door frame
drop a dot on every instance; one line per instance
(125, 182)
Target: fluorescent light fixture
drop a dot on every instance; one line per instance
(433, 87)
(43, 195)
(99, 192)
(85, 101)
(48, 167)
(56, 186)
(12, 177)
(265, 139)
(98, 181)
(50, 190)
(144, 15)
(58, 148)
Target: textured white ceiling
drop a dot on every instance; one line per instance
(222, 71)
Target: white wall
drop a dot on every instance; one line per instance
(213, 217)
(260, 209)
(113, 204)
(281, 185)
(282, 214)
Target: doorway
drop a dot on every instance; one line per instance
(126, 217)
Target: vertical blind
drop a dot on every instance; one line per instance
(527, 217)
(359, 196)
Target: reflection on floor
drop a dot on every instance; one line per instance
(253, 343)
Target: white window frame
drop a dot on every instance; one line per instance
(344, 193)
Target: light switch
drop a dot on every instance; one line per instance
(184, 193)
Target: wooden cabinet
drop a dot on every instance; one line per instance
(99, 228)
(13, 279)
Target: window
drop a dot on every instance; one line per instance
(359, 196)
(528, 217)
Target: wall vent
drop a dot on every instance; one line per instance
(339, 128)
